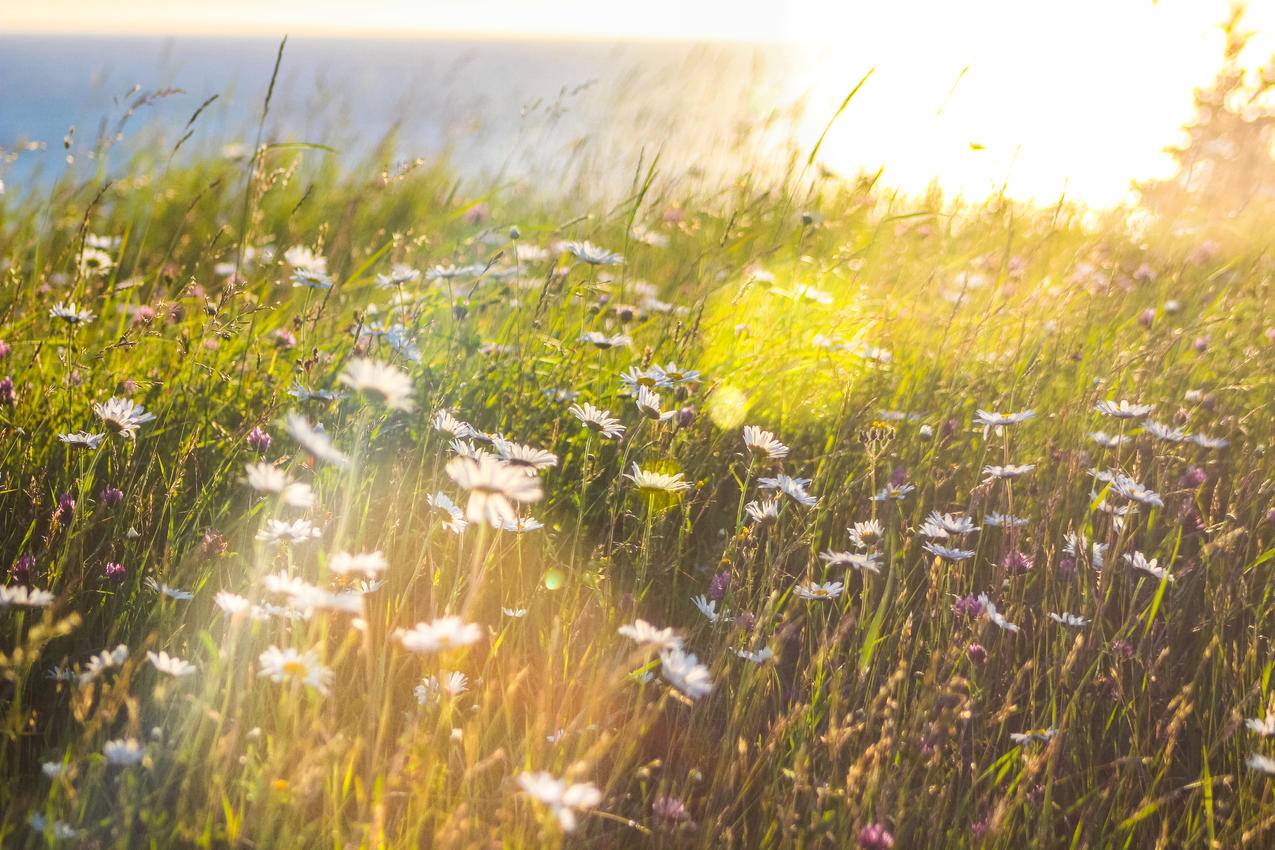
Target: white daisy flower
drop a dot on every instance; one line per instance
(1109, 441)
(367, 564)
(442, 634)
(592, 254)
(597, 420)
(265, 478)
(169, 591)
(650, 483)
(870, 561)
(103, 661)
(996, 520)
(756, 656)
(1204, 441)
(793, 488)
(431, 690)
(306, 259)
(643, 632)
(301, 392)
(453, 517)
(1166, 433)
(990, 419)
(1264, 727)
(634, 379)
(826, 592)
(865, 535)
(707, 607)
(281, 665)
(763, 510)
(562, 799)
(1077, 546)
(70, 313)
(516, 613)
(232, 603)
(521, 525)
(1008, 472)
(1261, 763)
(397, 276)
(674, 374)
(311, 279)
(123, 752)
(684, 672)
(389, 384)
(948, 553)
(940, 526)
(1123, 409)
(314, 440)
(282, 531)
(123, 416)
(493, 488)
(20, 596)
(605, 341)
(1150, 566)
(1132, 490)
(894, 492)
(763, 445)
(82, 439)
(171, 664)
(1073, 620)
(525, 457)
(995, 616)
(648, 404)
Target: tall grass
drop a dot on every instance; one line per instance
(883, 714)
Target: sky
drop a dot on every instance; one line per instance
(1049, 97)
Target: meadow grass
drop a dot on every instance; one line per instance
(864, 330)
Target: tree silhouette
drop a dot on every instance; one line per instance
(1226, 166)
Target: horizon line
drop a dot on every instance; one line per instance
(398, 34)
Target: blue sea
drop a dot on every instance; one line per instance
(494, 109)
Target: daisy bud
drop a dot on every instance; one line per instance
(515, 233)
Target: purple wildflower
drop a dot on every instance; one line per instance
(875, 836)
(258, 440)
